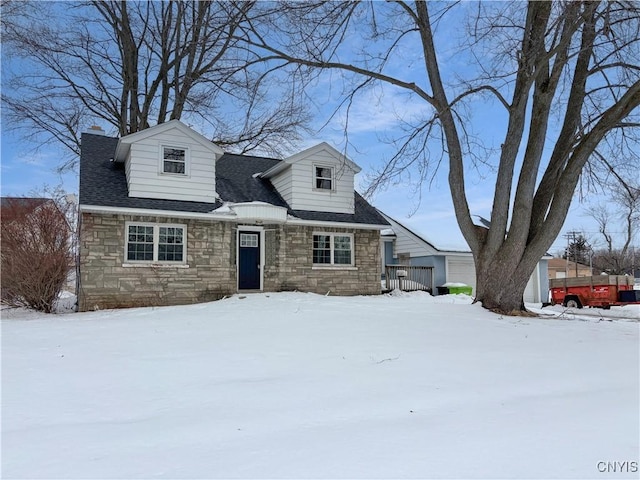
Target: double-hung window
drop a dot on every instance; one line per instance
(174, 160)
(332, 249)
(323, 177)
(140, 243)
(170, 244)
(156, 243)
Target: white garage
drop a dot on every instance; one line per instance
(404, 247)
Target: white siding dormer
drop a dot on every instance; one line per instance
(170, 161)
(317, 179)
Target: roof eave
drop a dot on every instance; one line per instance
(276, 169)
(324, 146)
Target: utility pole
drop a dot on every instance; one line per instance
(571, 239)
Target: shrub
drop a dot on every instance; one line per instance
(36, 251)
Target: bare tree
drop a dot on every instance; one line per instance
(564, 75)
(130, 65)
(621, 214)
(616, 262)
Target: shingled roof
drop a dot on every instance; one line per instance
(103, 183)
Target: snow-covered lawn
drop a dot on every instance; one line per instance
(295, 385)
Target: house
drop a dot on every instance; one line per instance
(563, 268)
(402, 246)
(167, 217)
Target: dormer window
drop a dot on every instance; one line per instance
(174, 160)
(323, 177)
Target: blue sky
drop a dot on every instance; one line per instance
(24, 171)
(427, 210)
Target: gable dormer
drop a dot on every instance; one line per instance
(319, 178)
(169, 161)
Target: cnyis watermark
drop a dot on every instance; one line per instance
(617, 467)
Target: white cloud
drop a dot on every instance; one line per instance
(379, 110)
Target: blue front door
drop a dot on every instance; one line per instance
(249, 261)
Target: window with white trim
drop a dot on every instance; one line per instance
(170, 244)
(332, 249)
(323, 177)
(249, 240)
(174, 160)
(155, 243)
(140, 243)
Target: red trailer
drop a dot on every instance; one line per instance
(598, 291)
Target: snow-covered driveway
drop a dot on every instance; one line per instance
(625, 313)
(296, 385)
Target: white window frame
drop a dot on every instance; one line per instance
(156, 243)
(332, 236)
(252, 236)
(316, 178)
(187, 160)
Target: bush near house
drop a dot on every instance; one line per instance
(36, 251)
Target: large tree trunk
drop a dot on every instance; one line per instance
(561, 72)
(500, 284)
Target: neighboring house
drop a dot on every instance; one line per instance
(563, 268)
(166, 217)
(402, 246)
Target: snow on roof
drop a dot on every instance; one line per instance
(227, 207)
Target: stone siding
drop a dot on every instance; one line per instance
(107, 281)
(289, 257)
